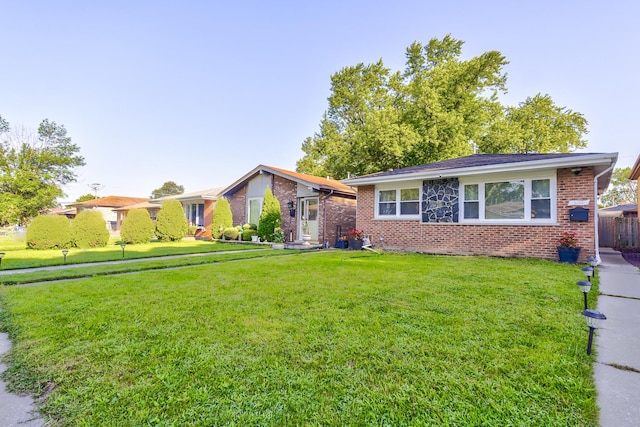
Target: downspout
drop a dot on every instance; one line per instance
(595, 211)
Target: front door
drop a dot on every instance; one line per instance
(309, 213)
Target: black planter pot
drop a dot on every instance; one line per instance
(355, 244)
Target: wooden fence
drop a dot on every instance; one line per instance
(618, 232)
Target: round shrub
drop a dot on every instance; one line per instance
(49, 232)
(89, 230)
(250, 227)
(230, 233)
(137, 227)
(222, 218)
(171, 224)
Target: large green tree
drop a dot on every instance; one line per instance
(441, 106)
(169, 188)
(621, 189)
(33, 169)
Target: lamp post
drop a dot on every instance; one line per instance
(64, 254)
(122, 245)
(588, 271)
(585, 287)
(594, 318)
(2, 254)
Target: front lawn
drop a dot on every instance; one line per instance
(336, 338)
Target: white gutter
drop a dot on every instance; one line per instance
(529, 165)
(595, 209)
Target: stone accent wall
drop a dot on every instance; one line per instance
(440, 200)
(537, 241)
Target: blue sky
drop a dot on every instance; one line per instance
(200, 92)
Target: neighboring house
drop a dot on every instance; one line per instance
(106, 206)
(152, 208)
(509, 205)
(635, 175)
(198, 208)
(328, 205)
(623, 210)
(68, 212)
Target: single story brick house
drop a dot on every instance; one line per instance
(508, 205)
(327, 204)
(198, 209)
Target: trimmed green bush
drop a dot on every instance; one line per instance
(246, 234)
(137, 227)
(231, 233)
(222, 218)
(49, 232)
(270, 217)
(171, 225)
(250, 227)
(191, 230)
(89, 230)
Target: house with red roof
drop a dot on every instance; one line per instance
(508, 205)
(106, 206)
(327, 205)
(197, 205)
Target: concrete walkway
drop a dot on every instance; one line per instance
(15, 411)
(617, 371)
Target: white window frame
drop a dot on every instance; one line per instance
(199, 213)
(249, 200)
(527, 178)
(398, 187)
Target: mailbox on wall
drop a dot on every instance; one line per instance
(578, 214)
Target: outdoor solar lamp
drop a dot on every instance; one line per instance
(64, 254)
(2, 254)
(588, 271)
(593, 261)
(594, 318)
(585, 287)
(122, 245)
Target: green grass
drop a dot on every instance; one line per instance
(80, 271)
(17, 257)
(336, 338)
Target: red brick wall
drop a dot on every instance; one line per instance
(285, 190)
(238, 204)
(337, 211)
(208, 218)
(536, 241)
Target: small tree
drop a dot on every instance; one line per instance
(622, 189)
(137, 227)
(270, 217)
(49, 232)
(171, 224)
(89, 230)
(222, 218)
(168, 188)
(85, 197)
